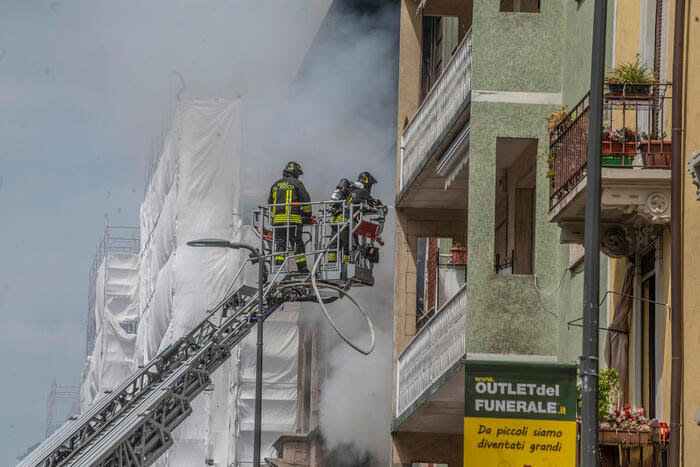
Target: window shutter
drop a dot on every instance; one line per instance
(658, 35)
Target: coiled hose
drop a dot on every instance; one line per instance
(342, 292)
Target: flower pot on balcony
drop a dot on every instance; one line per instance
(618, 153)
(459, 255)
(656, 153)
(627, 90)
(610, 437)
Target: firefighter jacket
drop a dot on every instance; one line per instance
(358, 195)
(289, 190)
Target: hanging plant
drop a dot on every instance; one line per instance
(557, 118)
(550, 155)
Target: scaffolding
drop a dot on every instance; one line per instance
(133, 423)
(116, 239)
(61, 403)
(153, 159)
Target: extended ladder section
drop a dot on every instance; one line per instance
(132, 425)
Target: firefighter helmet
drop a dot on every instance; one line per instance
(366, 179)
(292, 169)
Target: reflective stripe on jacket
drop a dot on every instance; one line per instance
(285, 191)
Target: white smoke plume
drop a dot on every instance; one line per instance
(337, 119)
(98, 80)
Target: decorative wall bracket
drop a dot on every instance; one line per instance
(694, 169)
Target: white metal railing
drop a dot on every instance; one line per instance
(438, 109)
(434, 349)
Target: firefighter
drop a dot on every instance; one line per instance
(359, 193)
(340, 193)
(288, 219)
(361, 190)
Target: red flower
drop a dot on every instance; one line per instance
(626, 407)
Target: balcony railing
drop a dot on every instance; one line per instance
(629, 448)
(634, 136)
(438, 110)
(434, 350)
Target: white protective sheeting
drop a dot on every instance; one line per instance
(194, 193)
(279, 386)
(116, 309)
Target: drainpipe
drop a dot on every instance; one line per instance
(677, 237)
(591, 261)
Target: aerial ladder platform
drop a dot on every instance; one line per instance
(132, 425)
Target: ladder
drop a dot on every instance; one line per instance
(131, 426)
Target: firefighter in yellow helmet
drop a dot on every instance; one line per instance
(289, 191)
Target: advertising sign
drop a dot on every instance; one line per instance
(519, 414)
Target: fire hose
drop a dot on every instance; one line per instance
(316, 286)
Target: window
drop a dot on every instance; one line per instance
(440, 39)
(520, 6)
(646, 337)
(514, 216)
(438, 276)
(130, 327)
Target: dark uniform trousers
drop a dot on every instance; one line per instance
(285, 235)
(356, 196)
(288, 217)
(343, 239)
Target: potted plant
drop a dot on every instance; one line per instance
(626, 426)
(655, 149)
(459, 254)
(619, 426)
(618, 146)
(631, 79)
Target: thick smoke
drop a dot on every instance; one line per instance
(98, 80)
(355, 409)
(339, 120)
(338, 116)
(343, 121)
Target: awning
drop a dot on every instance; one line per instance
(455, 157)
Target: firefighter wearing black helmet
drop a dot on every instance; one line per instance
(339, 195)
(360, 192)
(288, 192)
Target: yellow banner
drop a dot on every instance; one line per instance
(506, 442)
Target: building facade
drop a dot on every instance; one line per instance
(647, 28)
(477, 81)
(492, 134)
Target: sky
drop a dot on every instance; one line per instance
(86, 88)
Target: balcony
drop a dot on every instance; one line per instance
(432, 362)
(636, 179)
(434, 144)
